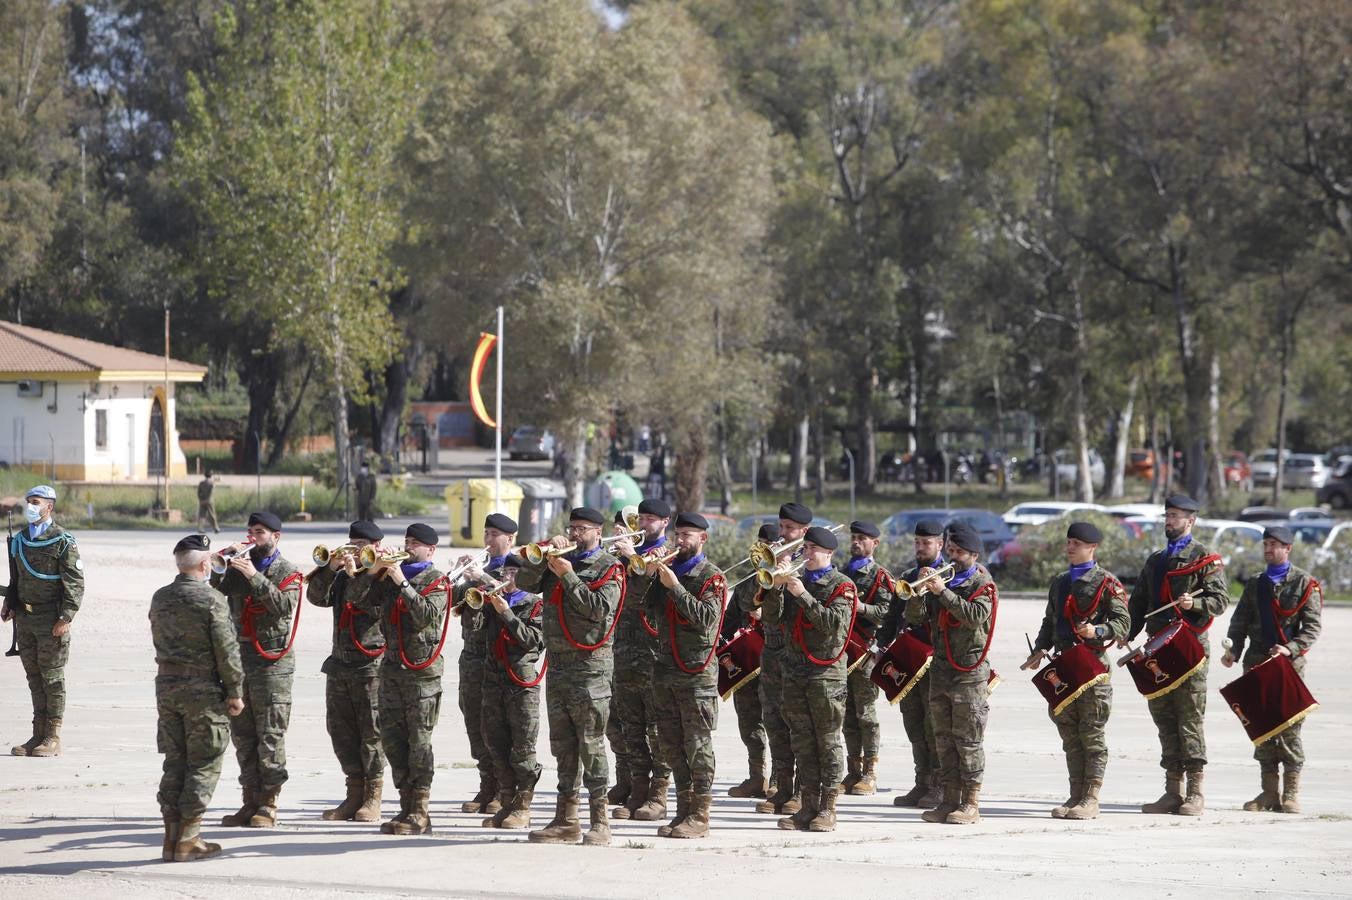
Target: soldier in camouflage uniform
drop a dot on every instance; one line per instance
(1277, 615)
(631, 705)
(410, 600)
(1086, 604)
(687, 609)
(961, 617)
(794, 518)
(499, 532)
(915, 717)
(352, 685)
(743, 613)
(1186, 571)
(514, 635)
(46, 586)
(264, 592)
(583, 590)
(875, 589)
(200, 681)
(814, 612)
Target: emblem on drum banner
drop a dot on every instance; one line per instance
(1054, 679)
(893, 674)
(1153, 665)
(730, 665)
(1243, 719)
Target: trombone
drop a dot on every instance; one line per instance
(662, 555)
(220, 559)
(909, 589)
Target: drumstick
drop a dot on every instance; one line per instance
(1029, 642)
(1169, 605)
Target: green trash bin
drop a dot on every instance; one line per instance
(470, 501)
(613, 491)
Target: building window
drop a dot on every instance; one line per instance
(101, 429)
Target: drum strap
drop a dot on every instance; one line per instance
(434, 586)
(253, 608)
(880, 577)
(556, 599)
(800, 624)
(1166, 593)
(673, 619)
(1273, 629)
(505, 638)
(947, 620)
(1071, 613)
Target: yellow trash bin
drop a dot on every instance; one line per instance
(468, 502)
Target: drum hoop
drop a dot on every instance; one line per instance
(919, 676)
(741, 684)
(1183, 679)
(1075, 695)
(993, 683)
(1294, 720)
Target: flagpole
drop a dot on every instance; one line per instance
(497, 417)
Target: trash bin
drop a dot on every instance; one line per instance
(468, 502)
(543, 500)
(613, 491)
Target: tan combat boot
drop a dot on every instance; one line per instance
(683, 801)
(240, 818)
(947, 804)
(405, 805)
(1194, 803)
(638, 795)
(518, 816)
(598, 835)
(266, 814)
(934, 793)
(418, 821)
(654, 806)
(853, 771)
(696, 822)
(39, 732)
(1088, 806)
(754, 785)
(487, 797)
(172, 827)
(912, 797)
(344, 811)
(369, 811)
(807, 811)
(619, 794)
(868, 778)
(495, 820)
(774, 803)
(1076, 793)
(1269, 799)
(969, 813)
(1291, 791)
(564, 828)
(190, 845)
(50, 745)
(1172, 798)
(825, 819)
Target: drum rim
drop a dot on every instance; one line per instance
(1182, 680)
(741, 684)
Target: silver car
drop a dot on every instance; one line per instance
(1304, 470)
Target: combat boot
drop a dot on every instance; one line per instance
(638, 795)
(854, 771)
(369, 811)
(1076, 794)
(266, 814)
(418, 821)
(50, 745)
(240, 818)
(564, 828)
(913, 796)
(825, 818)
(754, 785)
(405, 801)
(696, 822)
(868, 778)
(598, 835)
(486, 797)
(172, 827)
(39, 732)
(947, 804)
(495, 820)
(1291, 791)
(518, 815)
(1088, 806)
(1194, 803)
(683, 802)
(619, 794)
(934, 793)
(969, 813)
(655, 806)
(344, 811)
(190, 845)
(1172, 798)
(1269, 800)
(807, 811)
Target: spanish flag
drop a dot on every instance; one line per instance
(481, 353)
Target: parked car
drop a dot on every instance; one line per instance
(1263, 467)
(993, 530)
(1304, 470)
(747, 526)
(1240, 545)
(1153, 511)
(529, 442)
(1307, 531)
(1040, 511)
(1066, 467)
(1337, 491)
(1141, 463)
(1339, 539)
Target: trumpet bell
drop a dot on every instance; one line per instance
(630, 516)
(474, 598)
(321, 555)
(369, 558)
(908, 589)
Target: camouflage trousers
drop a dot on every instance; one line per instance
(637, 719)
(959, 704)
(259, 733)
(206, 513)
(352, 716)
(192, 734)
(750, 725)
(44, 662)
(861, 713)
(1081, 726)
(511, 725)
(815, 711)
(919, 726)
(471, 703)
(686, 718)
(770, 688)
(577, 711)
(409, 709)
(1178, 719)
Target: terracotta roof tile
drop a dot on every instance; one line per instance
(28, 350)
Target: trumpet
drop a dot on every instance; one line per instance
(766, 577)
(321, 554)
(220, 559)
(479, 559)
(538, 553)
(630, 516)
(908, 589)
(370, 557)
(662, 555)
(764, 555)
(476, 597)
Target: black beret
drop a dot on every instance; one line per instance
(868, 529)
(822, 537)
(796, 512)
(505, 524)
(692, 520)
(1280, 533)
(586, 514)
(512, 561)
(965, 536)
(929, 528)
(1181, 501)
(193, 542)
(1084, 531)
(266, 519)
(655, 506)
(769, 532)
(366, 531)
(423, 533)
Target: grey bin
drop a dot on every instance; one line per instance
(542, 501)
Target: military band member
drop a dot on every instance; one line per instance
(583, 589)
(686, 610)
(1085, 604)
(46, 587)
(200, 680)
(1187, 572)
(875, 589)
(513, 670)
(1277, 615)
(743, 613)
(410, 598)
(352, 682)
(264, 590)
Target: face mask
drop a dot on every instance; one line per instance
(32, 512)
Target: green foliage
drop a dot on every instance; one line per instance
(1042, 552)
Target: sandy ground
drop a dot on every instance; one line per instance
(87, 822)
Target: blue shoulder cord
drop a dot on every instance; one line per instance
(20, 542)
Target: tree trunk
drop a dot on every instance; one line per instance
(1215, 459)
(819, 451)
(576, 465)
(341, 436)
(260, 377)
(866, 456)
(282, 432)
(1117, 488)
(390, 411)
(1084, 480)
(724, 466)
(1284, 330)
(798, 458)
(692, 468)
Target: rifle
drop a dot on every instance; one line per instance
(14, 622)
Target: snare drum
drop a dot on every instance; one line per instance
(857, 652)
(1269, 698)
(1065, 678)
(1166, 661)
(739, 661)
(901, 666)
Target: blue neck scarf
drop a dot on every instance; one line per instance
(859, 563)
(582, 555)
(1079, 571)
(37, 528)
(515, 597)
(1277, 574)
(814, 577)
(685, 568)
(1176, 547)
(262, 564)
(413, 569)
(660, 542)
(495, 562)
(962, 577)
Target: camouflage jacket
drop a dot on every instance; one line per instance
(579, 618)
(262, 610)
(960, 620)
(46, 576)
(515, 639)
(352, 627)
(194, 638)
(687, 619)
(1288, 614)
(635, 644)
(1153, 589)
(1097, 598)
(740, 606)
(473, 622)
(413, 618)
(905, 615)
(816, 625)
(876, 590)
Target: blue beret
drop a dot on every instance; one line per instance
(769, 532)
(966, 537)
(1181, 501)
(586, 514)
(1280, 533)
(692, 520)
(505, 524)
(45, 491)
(868, 529)
(929, 528)
(1084, 531)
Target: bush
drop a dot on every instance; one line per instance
(1041, 553)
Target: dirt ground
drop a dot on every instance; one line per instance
(87, 823)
